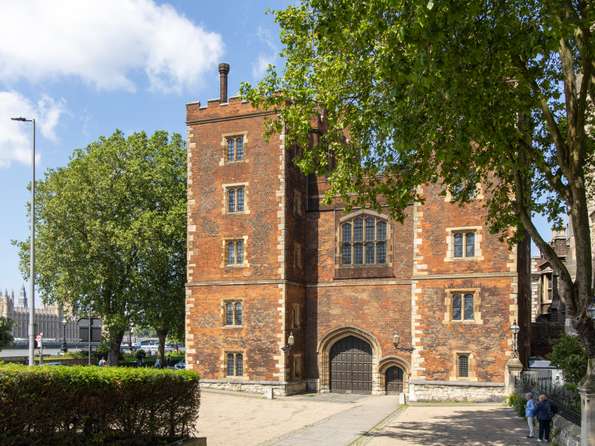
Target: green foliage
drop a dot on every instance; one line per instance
(96, 406)
(518, 403)
(384, 96)
(569, 355)
(111, 232)
(5, 332)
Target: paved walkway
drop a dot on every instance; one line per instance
(455, 425)
(344, 427)
(239, 419)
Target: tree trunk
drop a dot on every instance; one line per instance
(115, 339)
(162, 334)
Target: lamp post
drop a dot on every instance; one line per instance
(515, 333)
(64, 346)
(32, 254)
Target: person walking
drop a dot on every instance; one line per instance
(530, 408)
(545, 412)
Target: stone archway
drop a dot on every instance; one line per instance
(333, 337)
(392, 362)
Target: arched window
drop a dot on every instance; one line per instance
(363, 241)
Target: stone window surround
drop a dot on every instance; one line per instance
(296, 316)
(476, 305)
(225, 201)
(455, 366)
(224, 250)
(450, 244)
(478, 195)
(338, 239)
(227, 377)
(298, 258)
(224, 316)
(224, 136)
(298, 203)
(299, 357)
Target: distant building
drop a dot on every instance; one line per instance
(48, 318)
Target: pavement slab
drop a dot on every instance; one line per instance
(455, 425)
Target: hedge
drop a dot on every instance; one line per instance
(96, 405)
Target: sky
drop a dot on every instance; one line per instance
(85, 68)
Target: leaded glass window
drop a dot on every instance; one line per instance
(456, 307)
(463, 365)
(233, 313)
(234, 364)
(235, 148)
(468, 308)
(463, 244)
(363, 241)
(235, 199)
(234, 251)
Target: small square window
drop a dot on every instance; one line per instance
(233, 313)
(234, 364)
(462, 307)
(463, 244)
(235, 148)
(235, 199)
(234, 251)
(463, 365)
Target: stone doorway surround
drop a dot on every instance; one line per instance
(393, 361)
(324, 349)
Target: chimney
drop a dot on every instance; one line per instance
(223, 72)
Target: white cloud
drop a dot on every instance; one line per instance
(259, 67)
(15, 137)
(104, 42)
(265, 58)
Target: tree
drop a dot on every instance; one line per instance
(5, 332)
(161, 274)
(569, 355)
(409, 92)
(94, 247)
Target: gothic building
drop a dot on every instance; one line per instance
(287, 293)
(48, 319)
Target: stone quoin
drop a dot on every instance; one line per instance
(288, 294)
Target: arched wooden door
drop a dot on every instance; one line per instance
(351, 366)
(393, 380)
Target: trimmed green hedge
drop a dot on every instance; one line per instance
(96, 405)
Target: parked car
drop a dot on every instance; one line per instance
(150, 346)
(180, 365)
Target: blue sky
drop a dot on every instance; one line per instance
(84, 69)
(84, 73)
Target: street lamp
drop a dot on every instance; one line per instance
(290, 343)
(32, 254)
(515, 332)
(64, 346)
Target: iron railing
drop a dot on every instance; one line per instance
(566, 398)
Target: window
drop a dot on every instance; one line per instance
(298, 366)
(234, 364)
(235, 199)
(463, 244)
(235, 148)
(233, 313)
(297, 256)
(363, 241)
(462, 307)
(296, 317)
(298, 209)
(463, 365)
(234, 252)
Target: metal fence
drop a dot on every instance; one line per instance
(565, 397)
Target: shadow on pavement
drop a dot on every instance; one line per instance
(498, 426)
